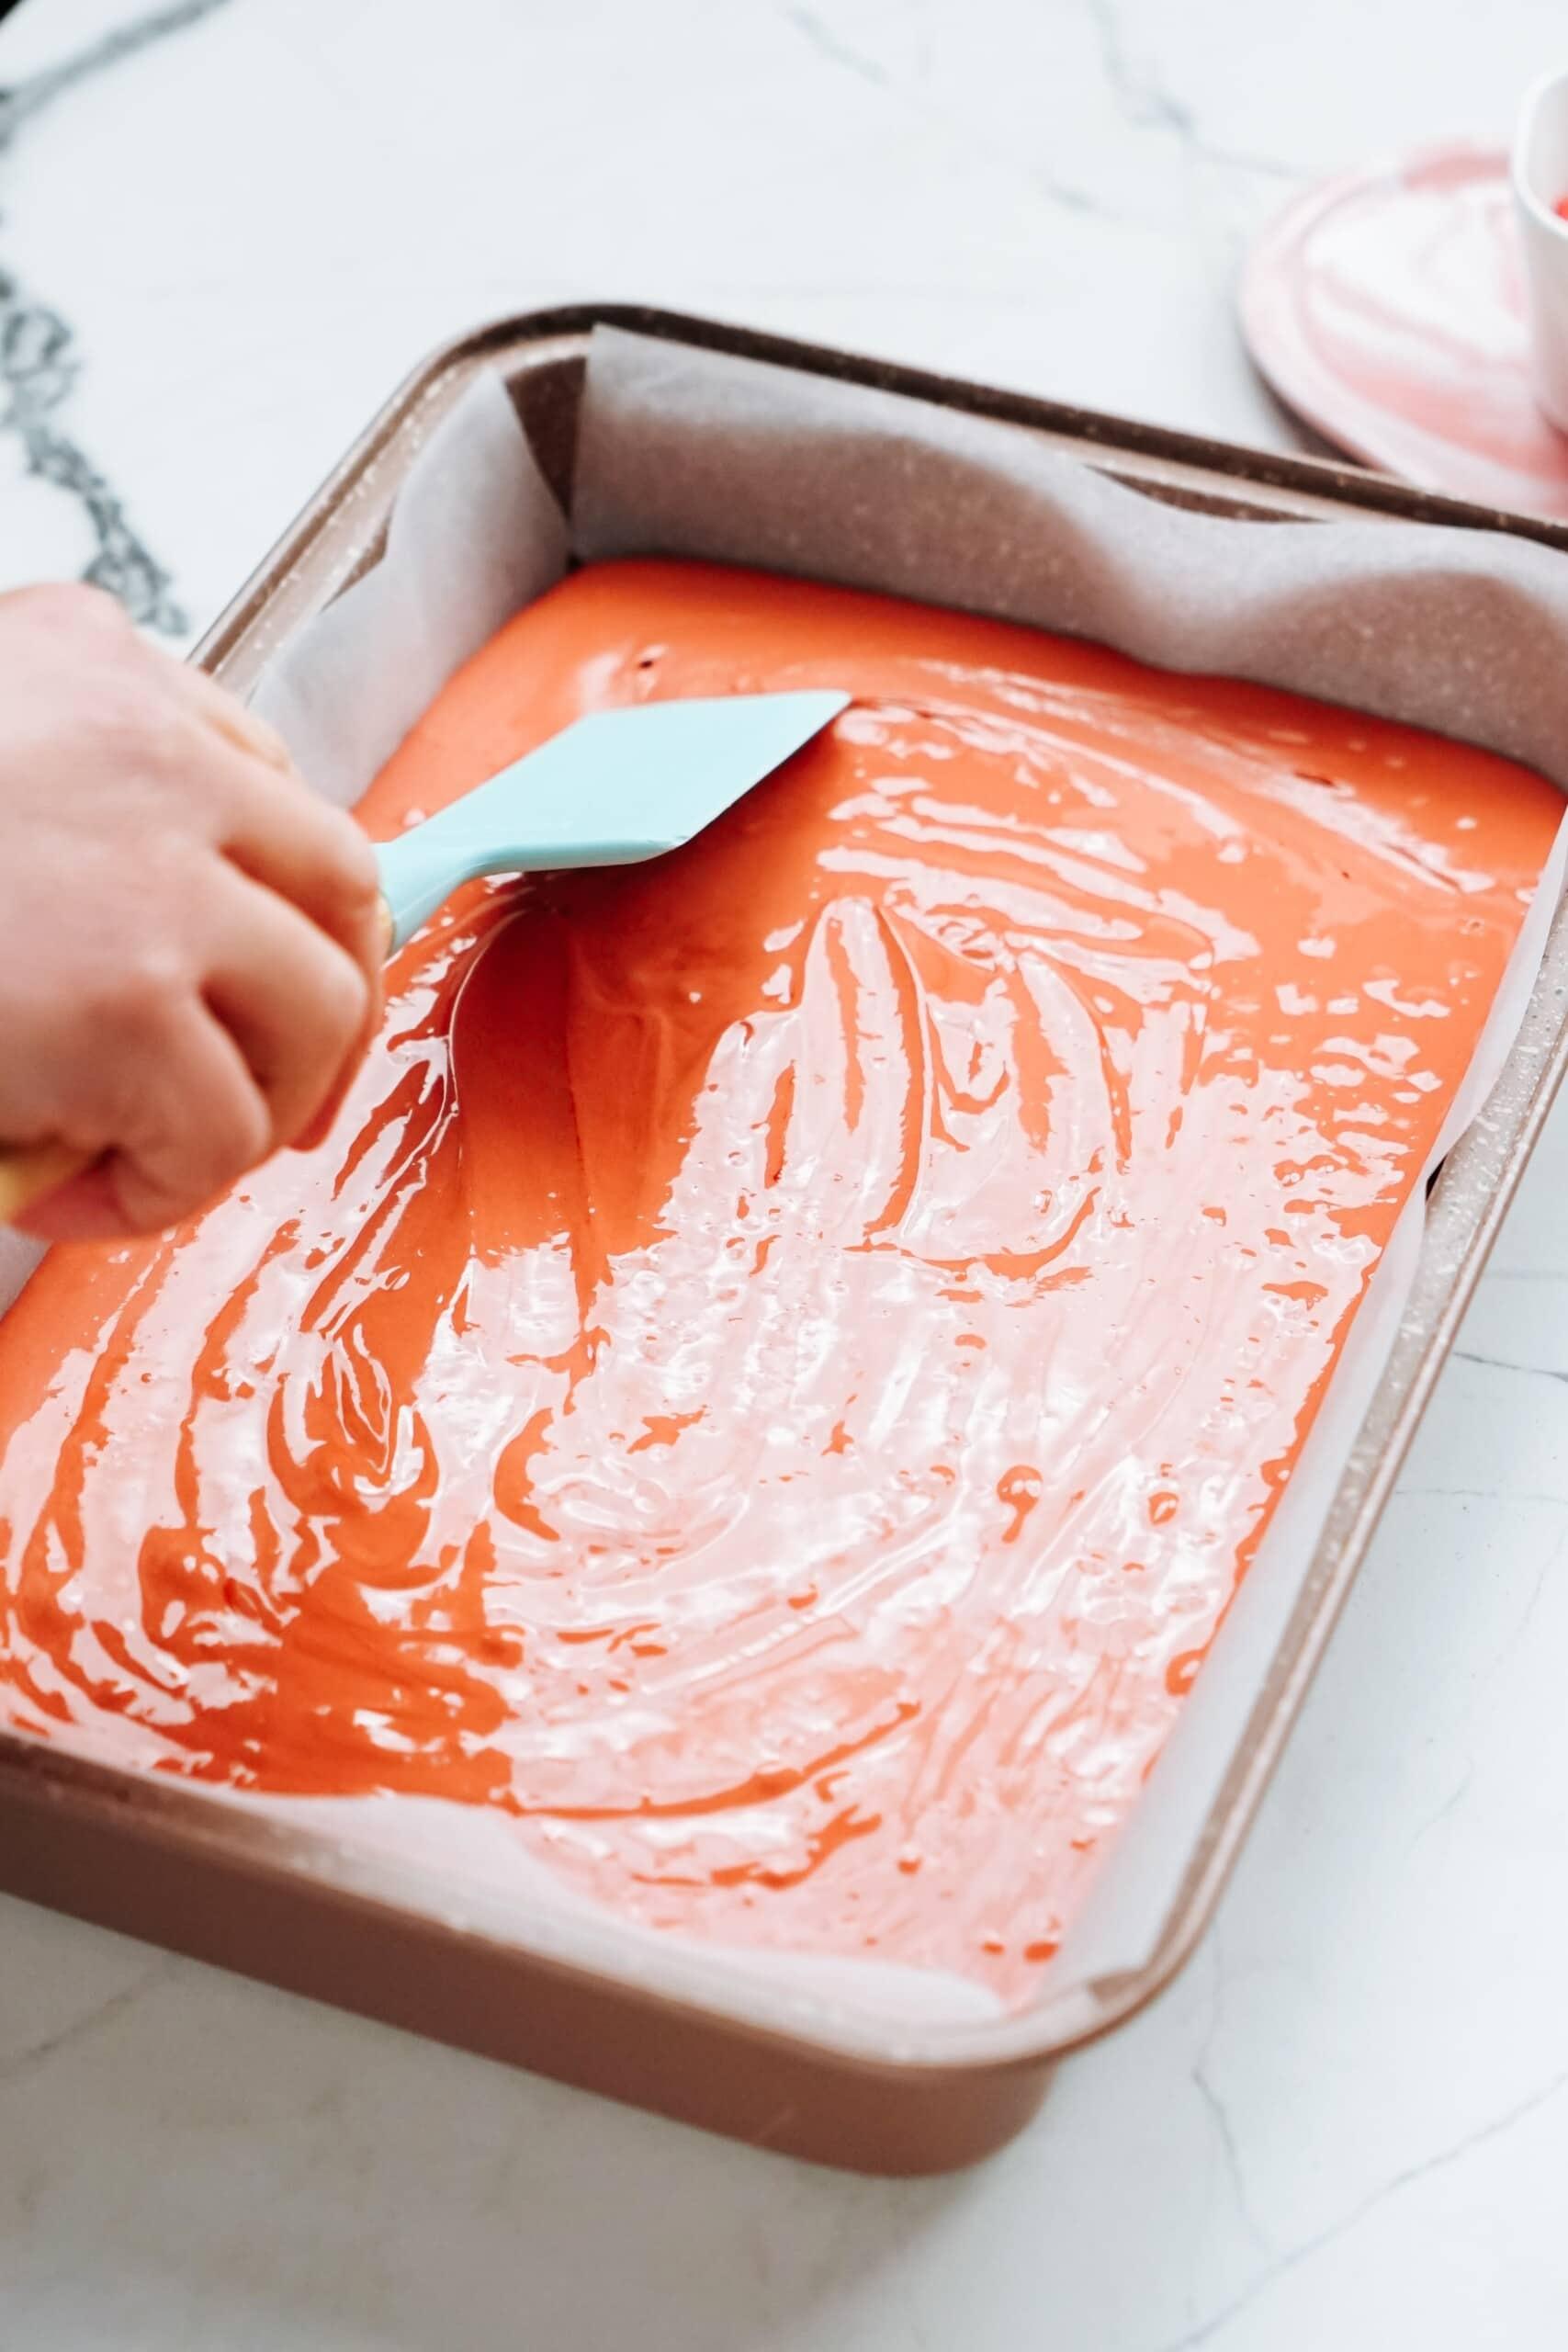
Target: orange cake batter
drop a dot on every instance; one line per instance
(783, 1360)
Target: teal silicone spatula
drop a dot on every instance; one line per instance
(611, 789)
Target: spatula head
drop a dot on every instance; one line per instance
(611, 789)
(623, 785)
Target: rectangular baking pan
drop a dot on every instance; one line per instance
(202, 1874)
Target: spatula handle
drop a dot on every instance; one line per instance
(29, 1171)
(418, 871)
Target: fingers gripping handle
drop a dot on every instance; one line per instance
(29, 1171)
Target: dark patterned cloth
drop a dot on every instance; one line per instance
(41, 355)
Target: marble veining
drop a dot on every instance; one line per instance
(1279, 2261)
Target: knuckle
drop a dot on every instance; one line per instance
(138, 727)
(142, 995)
(72, 605)
(121, 726)
(96, 608)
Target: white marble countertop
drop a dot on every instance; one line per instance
(1347, 2125)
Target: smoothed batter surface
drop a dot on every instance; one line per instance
(781, 1364)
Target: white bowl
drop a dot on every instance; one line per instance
(1541, 179)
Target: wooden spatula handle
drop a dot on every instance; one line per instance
(29, 1171)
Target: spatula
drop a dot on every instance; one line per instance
(614, 788)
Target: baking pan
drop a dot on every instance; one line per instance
(299, 1902)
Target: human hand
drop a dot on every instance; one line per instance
(190, 940)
